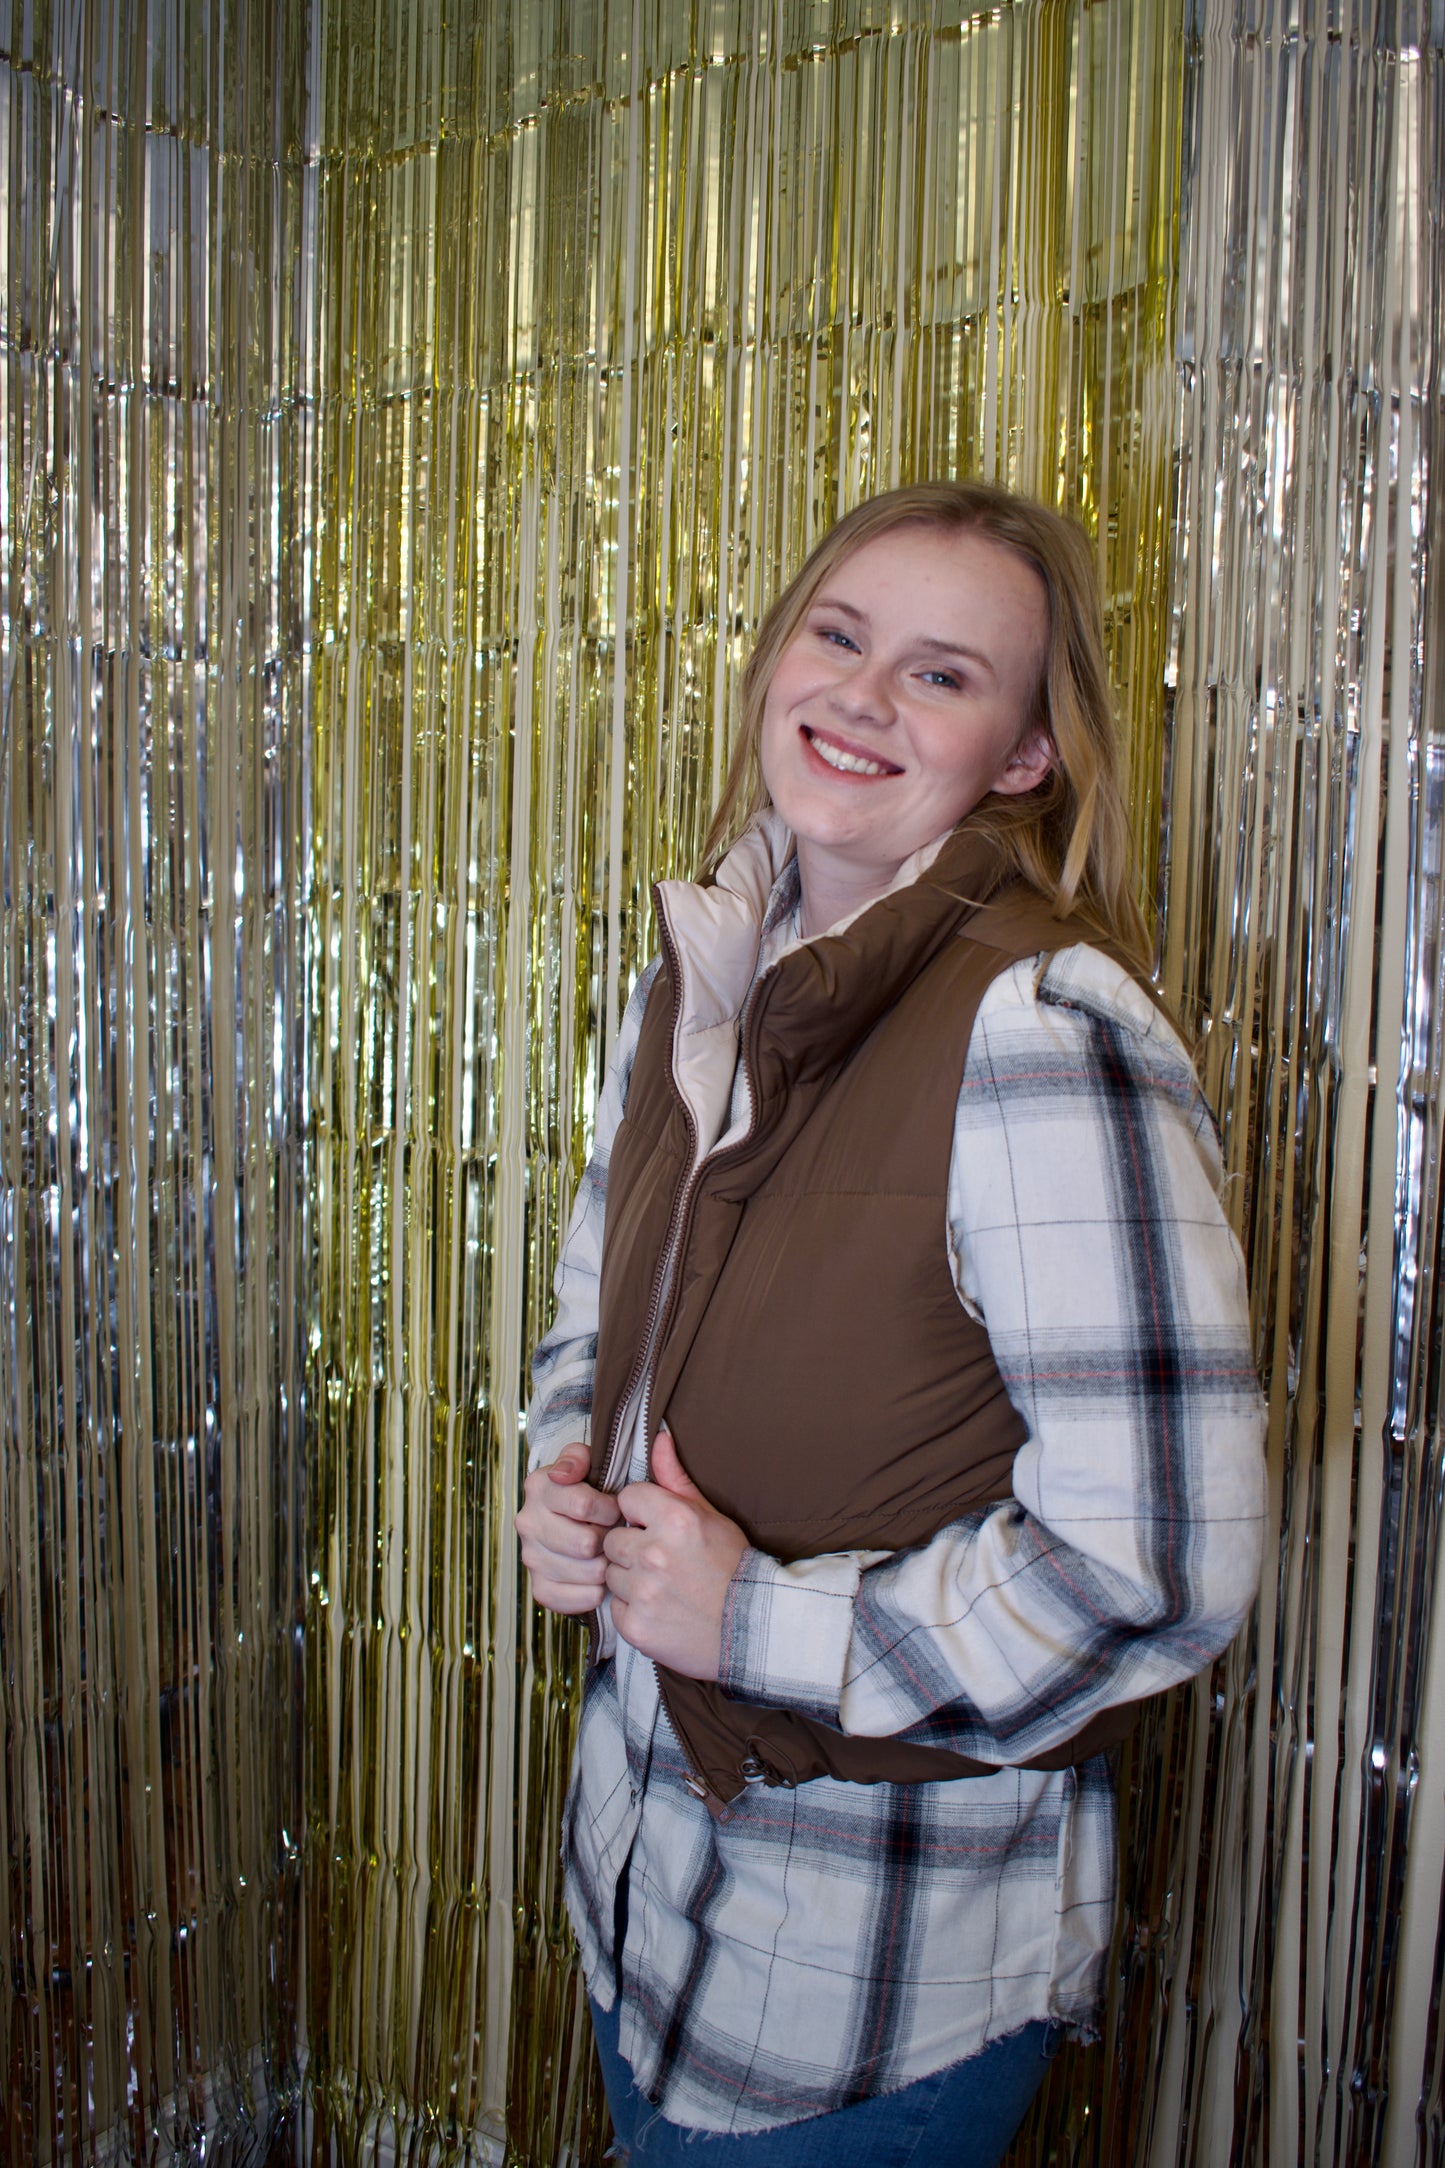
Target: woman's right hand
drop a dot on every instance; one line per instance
(561, 1524)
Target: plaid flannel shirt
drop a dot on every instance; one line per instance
(813, 1947)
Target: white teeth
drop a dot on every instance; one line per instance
(850, 763)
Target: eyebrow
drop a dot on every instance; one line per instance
(934, 645)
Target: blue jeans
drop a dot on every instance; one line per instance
(962, 2117)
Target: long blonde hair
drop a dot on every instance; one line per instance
(1069, 836)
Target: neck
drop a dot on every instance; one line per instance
(830, 891)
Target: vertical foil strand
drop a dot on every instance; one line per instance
(151, 1183)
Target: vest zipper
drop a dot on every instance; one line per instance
(695, 1781)
(679, 1219)
(659, 1303)
(613, 1470)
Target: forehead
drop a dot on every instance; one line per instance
(942, 579)
(944, 554)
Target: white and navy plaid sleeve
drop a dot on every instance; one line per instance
(1086, 1232)
(560, 1410)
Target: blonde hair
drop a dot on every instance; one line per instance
(1069, 836)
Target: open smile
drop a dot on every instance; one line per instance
(845, 759)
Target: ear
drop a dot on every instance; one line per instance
(1027, 765)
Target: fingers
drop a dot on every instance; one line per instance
(634, 1561)
(667, 1469)
(668, 1607)
(568, 1498)
(641, 1551)
(553, 1537)
(620, 1547)
(563, 1581)
(555, 1567)
(557, 1570)
(571, 1600)
(561, 1526)
(636, 1503)
(574, 1598)
(653, 1505)
(553, 1522)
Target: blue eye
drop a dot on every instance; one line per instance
(945, 678)
(835, 638)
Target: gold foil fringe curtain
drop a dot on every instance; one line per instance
(405, 421)
(151, 1093)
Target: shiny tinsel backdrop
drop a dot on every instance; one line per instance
(405, 414)
(153, 1197)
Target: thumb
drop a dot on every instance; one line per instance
(667, 1471)
(571, 1464)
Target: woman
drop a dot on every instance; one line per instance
(898, 1424)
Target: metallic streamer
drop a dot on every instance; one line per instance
(151, 1191)
(1304, 936)
(1281, 1947)
(1311, 946)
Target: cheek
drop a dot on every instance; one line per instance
(971, 765)
(771, 738)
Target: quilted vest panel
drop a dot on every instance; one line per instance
(808, 1351)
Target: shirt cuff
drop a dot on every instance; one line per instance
(786, 1630)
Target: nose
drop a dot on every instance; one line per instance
(865, 692)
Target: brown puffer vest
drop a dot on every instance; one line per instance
(808, 1350)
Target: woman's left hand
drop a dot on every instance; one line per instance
(668, 1569)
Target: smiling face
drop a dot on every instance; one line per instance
(902, 699)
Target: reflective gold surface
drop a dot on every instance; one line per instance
(152, 1183)
(1282, 1942)
(406, 417)
(1304, 938)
